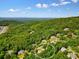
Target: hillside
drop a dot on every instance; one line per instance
(44, 39)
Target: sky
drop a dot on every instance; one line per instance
(39, 8)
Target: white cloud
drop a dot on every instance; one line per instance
(54, 4)
(75, 1)
(13, 10)
(44, 5)
(39, 5)
(62, 2)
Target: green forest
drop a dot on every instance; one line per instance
(40, 39)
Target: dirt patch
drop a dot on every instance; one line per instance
(3, 29)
